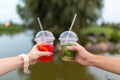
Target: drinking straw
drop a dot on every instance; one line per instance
(39, 22)
(73, 22)
(71, 26)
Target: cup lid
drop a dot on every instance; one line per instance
(69, 35)
(44, 36)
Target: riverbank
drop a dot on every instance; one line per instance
(11, 29)
(102, 46)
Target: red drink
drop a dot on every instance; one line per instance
(48, 48)
(45, 39)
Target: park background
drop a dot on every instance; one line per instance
(97, 26)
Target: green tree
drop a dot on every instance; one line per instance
(59, 13)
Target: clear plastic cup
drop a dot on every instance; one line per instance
(44, 40)
(67, 38)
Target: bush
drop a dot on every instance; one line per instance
(97, 30)
(83, 39)
(110, 34)
(115, 36)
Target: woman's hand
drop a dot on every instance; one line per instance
(34, 54)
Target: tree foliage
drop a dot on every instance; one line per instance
(59, 13)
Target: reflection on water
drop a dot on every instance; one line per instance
(59, 70)
(55, 70)
(15, 44)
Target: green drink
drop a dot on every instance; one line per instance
(67, 38)
(67, 55)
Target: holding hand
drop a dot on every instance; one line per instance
(34, 54)
(82, 55)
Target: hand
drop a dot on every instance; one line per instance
(82, 55)
(34, 54)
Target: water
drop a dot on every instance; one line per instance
(13, 45)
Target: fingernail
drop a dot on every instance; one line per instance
(51, 54)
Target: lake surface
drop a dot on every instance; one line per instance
(13, 45)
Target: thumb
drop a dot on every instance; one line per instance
(46, 54)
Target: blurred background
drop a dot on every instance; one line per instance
(97, 26)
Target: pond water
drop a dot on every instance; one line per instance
(13, 45)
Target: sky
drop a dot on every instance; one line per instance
(111, 12)
(8, 12)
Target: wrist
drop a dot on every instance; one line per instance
(21, 62)
(91, 60)
(25, 60)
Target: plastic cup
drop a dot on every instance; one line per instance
(67, 38)
(45, 40)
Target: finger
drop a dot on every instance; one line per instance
(74, 43)
(46, 54)
(72, 48)
(75, 47)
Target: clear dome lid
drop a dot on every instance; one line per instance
(68, 35)
(44, 36)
